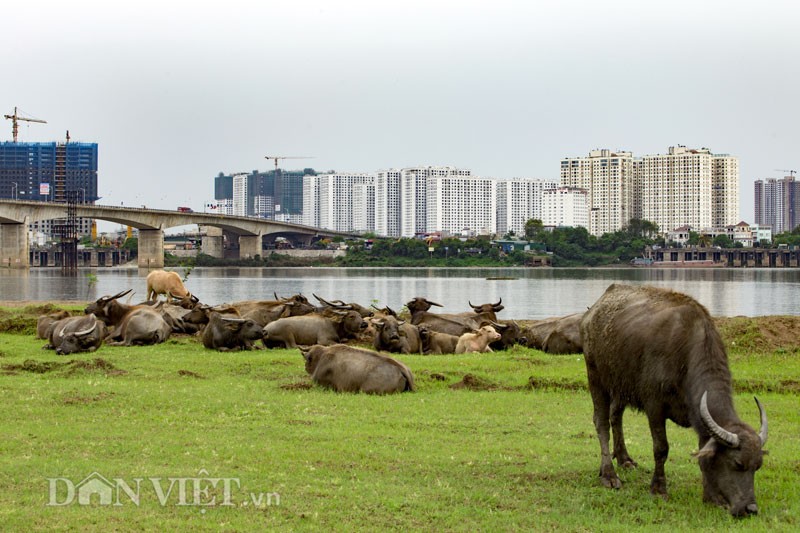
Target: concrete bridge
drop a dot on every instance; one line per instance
(248, 234)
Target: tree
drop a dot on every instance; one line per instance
(534, 230)
(723, 241)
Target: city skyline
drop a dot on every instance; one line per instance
(174, 94)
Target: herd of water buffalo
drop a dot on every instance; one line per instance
(653, 349)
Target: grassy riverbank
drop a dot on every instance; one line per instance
(492, 442)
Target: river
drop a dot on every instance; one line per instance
(526, 293)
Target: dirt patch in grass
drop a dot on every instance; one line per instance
(535, 383)
(473, 382)
(67, 368)
(300, 385)
(760, 334)
(75, 398)
(189, 374)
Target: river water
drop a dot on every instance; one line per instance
(527, 293)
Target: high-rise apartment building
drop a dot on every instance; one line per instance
(777, 204)
(414, 196)
(332, 195)
(607, 177)
(460, 203)
(565, 206)
(387, 203)
(276, 195)
(520, 200)
(686, 186)
(49, 172)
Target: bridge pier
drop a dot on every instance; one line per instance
(213, 242)
(250, 246)
(151, 248)
(14, 248)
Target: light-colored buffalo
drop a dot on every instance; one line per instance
(477, 341)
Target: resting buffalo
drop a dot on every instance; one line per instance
(396, 336)
(167, 283)
(347, 369)
(338, 304)
(559, 335)
(226, 333)
(76, 334)
(658, 351)
(454, 324)
(313, 329)
(265, 311)
(477, 341)
(133, 324)
(510, 334)
(436, 342)
(45, 322)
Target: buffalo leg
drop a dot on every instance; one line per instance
(658, 430)
(608, 476)
(620, 450)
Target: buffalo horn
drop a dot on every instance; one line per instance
(233, 320)
(473, 306)
(762, 433)
(498, 303)
(432, 303)
(722, 435)
(500, 327)
(85, 332)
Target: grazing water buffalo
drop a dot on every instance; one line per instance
(167, 283)
(477, 341)
(226, 333)
(313, 329)
(658, 351)
(396, 336)
(45, 322)
(76, 334)
(347, 369)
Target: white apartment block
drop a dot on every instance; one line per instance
(240, 195)
(519, 200)
(224, 207)
(686, 186)
(461, 204)
(565, 207)
(414, 196)
(724, 190)
(335, 199)
(310, 201)
(364, 207)
(607, 177)
(264, 206)
(387, 203)
(674, 189)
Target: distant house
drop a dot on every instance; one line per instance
(524, 246)
(741, 233)
(679, 235)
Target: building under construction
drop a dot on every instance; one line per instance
(50, 172)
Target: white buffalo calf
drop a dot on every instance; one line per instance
(477, 341)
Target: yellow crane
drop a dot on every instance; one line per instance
(276, 157)
(15, 117)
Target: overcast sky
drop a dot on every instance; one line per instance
(175, 92)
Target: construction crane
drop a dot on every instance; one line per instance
(276, 157)
(15, 117)
(791, 172)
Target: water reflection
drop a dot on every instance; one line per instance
(526, 293)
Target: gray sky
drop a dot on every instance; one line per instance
(175, 92)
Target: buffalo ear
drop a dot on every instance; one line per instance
(708, 450)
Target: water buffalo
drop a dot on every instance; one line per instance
(452, 323)
(658, 351)
(396, 336)
(510, 334)
(133, 324)
(338, 304)
(347, 369)
(167, 283)
(76, 334)
(313, 328)
(477, 341)
(225, 333)
(45, 322)
(265, 311)
(436, 342)
(559, 335)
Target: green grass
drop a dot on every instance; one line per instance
(510, 456)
